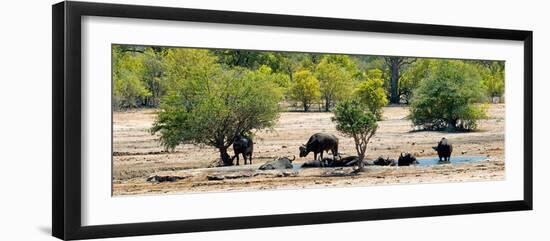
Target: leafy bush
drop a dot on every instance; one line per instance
(447, 99)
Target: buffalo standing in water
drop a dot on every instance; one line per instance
(319, 143)
(243, 145)
(444, 149)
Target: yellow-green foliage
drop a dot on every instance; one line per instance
(281, 80)
(493, 79)
(154, 74)
(189, 69)
(335, 75)
(142, 75)
(370, 92)
(128, 86)
(305, 89)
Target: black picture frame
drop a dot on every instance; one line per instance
(66, 127)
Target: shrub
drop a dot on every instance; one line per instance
(447, 99)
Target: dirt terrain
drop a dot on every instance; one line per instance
(138, 155)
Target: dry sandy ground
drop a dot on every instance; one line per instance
(138, 155)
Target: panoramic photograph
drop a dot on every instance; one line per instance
(196, 120)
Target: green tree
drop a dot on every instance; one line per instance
(395, 65)
(335, 75)
(250, 59)
(211, 110)
(280, 79)
(448, 97)
(347, 62)
(354, 120)
(305, 88)
(493, 79)
(154, 74)
(371, 93)
(411, 77)
(292, 62)
(366, 63)
(129, 89)
(188, 69)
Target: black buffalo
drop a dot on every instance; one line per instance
(407, 160)
(243, 145)
(380, 161)
(319, 143)
(350, 160)
(328, 162)
(312, 163)
(444, 149)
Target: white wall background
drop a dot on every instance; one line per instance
(25, 119)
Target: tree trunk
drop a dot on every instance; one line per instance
(327, 104)
(362, 148)
(360, 165)
(225, 157)
(306, 106)
(289, 70)
(394, 81)
(360, 153)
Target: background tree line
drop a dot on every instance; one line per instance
(141, 75)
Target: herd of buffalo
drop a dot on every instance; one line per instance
(323, 142)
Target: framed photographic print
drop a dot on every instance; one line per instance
(171, 120)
